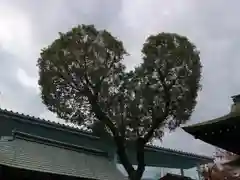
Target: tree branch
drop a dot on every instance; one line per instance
(98, 85)
(85, 72)
(102, 116)
(156, 122)
(73, 84)
(122, 124)
(121, 151)
(140, 157)
(118, 138)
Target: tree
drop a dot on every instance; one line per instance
(219, 171)
(225, 155)
(226, 166)
(83, 80)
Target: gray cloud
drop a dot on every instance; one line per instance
(14, 95)
(49, 18)
(45, 19)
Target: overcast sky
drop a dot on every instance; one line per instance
(26, 26)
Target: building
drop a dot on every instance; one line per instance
(222, 132)
(170, 176)
(36, 148)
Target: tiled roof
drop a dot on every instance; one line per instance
(65, 127)
(179, 153)
(39, 157)
(52, 142)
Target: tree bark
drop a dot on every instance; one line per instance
(140, 157)
(121, 151)
(133, 174)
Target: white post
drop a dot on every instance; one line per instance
(115, 159)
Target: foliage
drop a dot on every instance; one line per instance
(219, 172)
(226, 166)
(100, 130)
(83, 80)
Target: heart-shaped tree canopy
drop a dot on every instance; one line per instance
(83, 80)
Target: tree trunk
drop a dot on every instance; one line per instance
(133, 174)
(140, 144)
(122, 155)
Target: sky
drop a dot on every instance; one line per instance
(27, 26)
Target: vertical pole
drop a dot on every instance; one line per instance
(115, 158)
(199, 172)
(1, 174)
(182, 171)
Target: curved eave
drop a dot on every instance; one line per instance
(225, 123)
(209, 122)
(221, 132)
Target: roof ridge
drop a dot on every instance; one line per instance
(42, 121)
(184, 153)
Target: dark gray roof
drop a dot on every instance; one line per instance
(20, 153)
(204, 158)
(65, 127)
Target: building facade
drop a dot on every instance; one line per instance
(36, 148)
